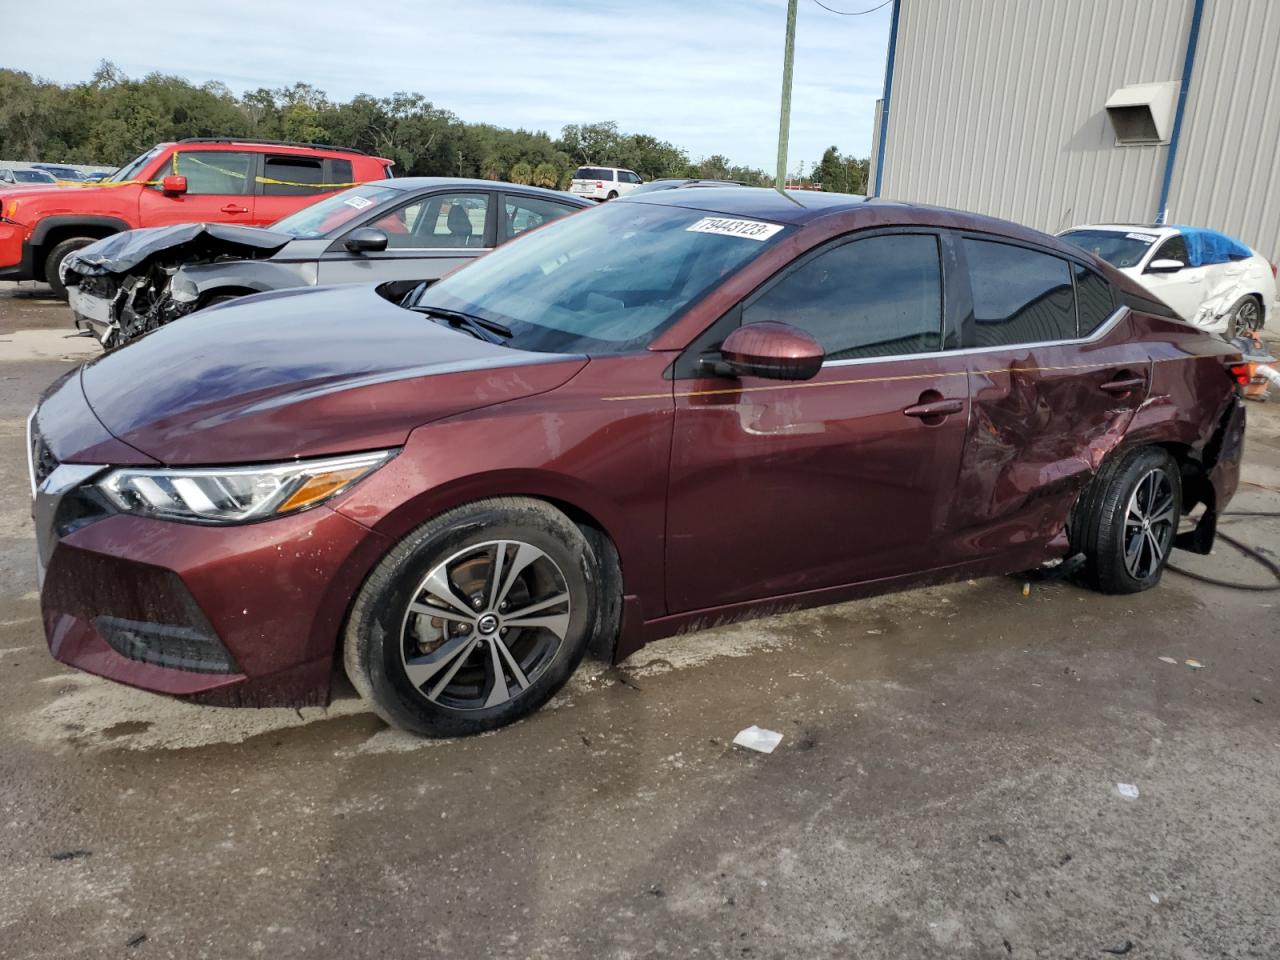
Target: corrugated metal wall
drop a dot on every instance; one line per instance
(997, 106)
(1227, 175)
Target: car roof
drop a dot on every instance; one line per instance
(794, 207)
(1157, 229)
(408, 184)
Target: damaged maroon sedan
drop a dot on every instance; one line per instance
(661, 414)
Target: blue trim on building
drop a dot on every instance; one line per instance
(888, 89)
(1188, 64)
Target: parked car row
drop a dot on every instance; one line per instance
(690, 405)
(195, 180)
(408, 230)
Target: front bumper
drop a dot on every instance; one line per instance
(245, 615)
(16, 255)
(91, 312)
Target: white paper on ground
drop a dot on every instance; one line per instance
(758, 739)
(1127, 790)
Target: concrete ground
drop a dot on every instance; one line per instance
(946, 785)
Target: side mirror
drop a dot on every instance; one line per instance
(1165, 266)
(366, 240)
(776, 351)
(174, 186)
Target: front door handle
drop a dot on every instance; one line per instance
(934, 409)
(1126, 385)
(232, 208)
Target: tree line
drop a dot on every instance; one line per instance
(111, 118)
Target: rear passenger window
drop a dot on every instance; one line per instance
(877, 297)
(1019, 295)
(292, 177)
(339, 176)
(1093, 298)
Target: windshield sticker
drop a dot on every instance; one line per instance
(726, 227)
(358, 202)
(1144, 237)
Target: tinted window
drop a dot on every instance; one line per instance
(339, 175)
(876, 297)
(442, 220)
(1019, 295)
(210, 171)
(1093, 297)
(525, 213)
(593, 173)
(1175, 248)
(292, 176)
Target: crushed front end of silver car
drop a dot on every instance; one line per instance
(130, 283)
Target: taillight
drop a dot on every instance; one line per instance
(599, 184)
(1273, 271)
(1241, 373)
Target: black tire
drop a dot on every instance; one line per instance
(613, 195)
(1106, 531)
(384, 637)
(54, 260)
(1245, 317)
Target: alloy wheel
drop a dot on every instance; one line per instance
(1149, 524)
(483, 624)
(1245, 319)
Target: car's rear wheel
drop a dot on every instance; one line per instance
(1245, 317)
(1126, 521)
(53, 261)
(613, 195)
(475, 619)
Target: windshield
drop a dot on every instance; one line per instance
(1118, 249)
(604, 281)
(130, 169)
(323, 218)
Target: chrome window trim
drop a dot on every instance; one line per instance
(1103, 329)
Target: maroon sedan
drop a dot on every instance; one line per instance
(661, 414)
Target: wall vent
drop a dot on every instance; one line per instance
(1142, 114)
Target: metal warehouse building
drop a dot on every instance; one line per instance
(1056, 113)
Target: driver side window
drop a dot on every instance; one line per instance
(1175, 248)
(446, 220)
(877, 297)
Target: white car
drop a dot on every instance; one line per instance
(1210, 279)
(603, 183)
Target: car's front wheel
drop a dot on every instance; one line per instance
(1126, 521)
(53, 262)
(475, 619)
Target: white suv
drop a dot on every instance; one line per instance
(603, 183)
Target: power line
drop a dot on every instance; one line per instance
(852, 13)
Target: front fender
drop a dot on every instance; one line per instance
(259, 276)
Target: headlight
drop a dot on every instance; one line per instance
(236, 494)
(183, 290)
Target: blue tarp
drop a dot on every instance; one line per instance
(1208, 246)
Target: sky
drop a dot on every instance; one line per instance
(703, 74)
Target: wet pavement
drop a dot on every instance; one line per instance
(946, 785)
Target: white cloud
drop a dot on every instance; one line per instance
(705, 76)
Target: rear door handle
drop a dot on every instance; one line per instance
(937, 408)
(1127, 385)
(232, 208)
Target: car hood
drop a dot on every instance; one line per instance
(121, 252)
(302, 373)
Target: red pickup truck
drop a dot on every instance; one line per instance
(196, 180)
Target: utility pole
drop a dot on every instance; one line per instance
(784, 121)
